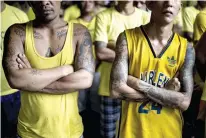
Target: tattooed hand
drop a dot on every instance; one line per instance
(22, 61)
(173, 84)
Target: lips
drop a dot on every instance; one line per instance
(167, 12)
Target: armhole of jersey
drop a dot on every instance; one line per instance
(184, 51)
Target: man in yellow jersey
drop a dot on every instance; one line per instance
(109, 24)
(200, 22)
(147, 58)
(49, 60)
(10, 98)
(89, 101)
(201, 67)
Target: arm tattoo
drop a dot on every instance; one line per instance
(84, 53)
(9, 54)
(119, 72)
(172, 98)
(20, 31)
(37, 35)
(186, 72)
(35, 72)
(61, 33)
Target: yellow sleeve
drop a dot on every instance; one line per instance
(188, 24)
(101, 28)
(146, 17)
(21, 16)
(204, 93)
(199, 26)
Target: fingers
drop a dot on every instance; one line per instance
(23, 61)
(20, 62)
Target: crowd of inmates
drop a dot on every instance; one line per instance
(94, 103)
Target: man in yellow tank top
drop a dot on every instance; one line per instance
(148, 59)
(49, 60)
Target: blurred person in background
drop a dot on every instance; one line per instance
(109, 24)
(10, 98)
(141, 4)
(72, 11)
(201, 68)
(191, 114)
(89, 101)
(200, 22)
(100, 6)
(189, 15)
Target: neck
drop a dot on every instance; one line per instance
(125, 8)
(87, 17)
(3, 6)
(49, 24)
(158, 31)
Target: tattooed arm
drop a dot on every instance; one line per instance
(170, 97)
(29, 79)
(119, 74)
(84, 65)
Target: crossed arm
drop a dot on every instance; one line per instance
(133, 88)
(57, 80)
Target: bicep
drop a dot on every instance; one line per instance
(84, 56)
(12, 47)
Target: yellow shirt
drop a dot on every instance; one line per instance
(9, 16)
(204, 93)
(149, 119)
(200, 25)
(178, 20)
(31, 14)
(71, 13)
(109, 24)
(46, 115)
(189, 15)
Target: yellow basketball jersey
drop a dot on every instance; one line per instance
(149, 119)
(47, 115)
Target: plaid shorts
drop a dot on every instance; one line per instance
(110, 112)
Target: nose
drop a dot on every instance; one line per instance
(45, 2)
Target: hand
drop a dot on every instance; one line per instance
(22, 61)
(173, 84)
(111, 44)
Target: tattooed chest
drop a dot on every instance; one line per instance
(49, 45)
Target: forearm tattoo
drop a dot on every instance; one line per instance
(171, 98)
(119, 71)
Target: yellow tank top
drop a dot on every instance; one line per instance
(46, 115)
(149, 119)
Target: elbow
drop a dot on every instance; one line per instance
(115, 93)
(100, 56)
(88, 80)
(185, 104)
(14, 83)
